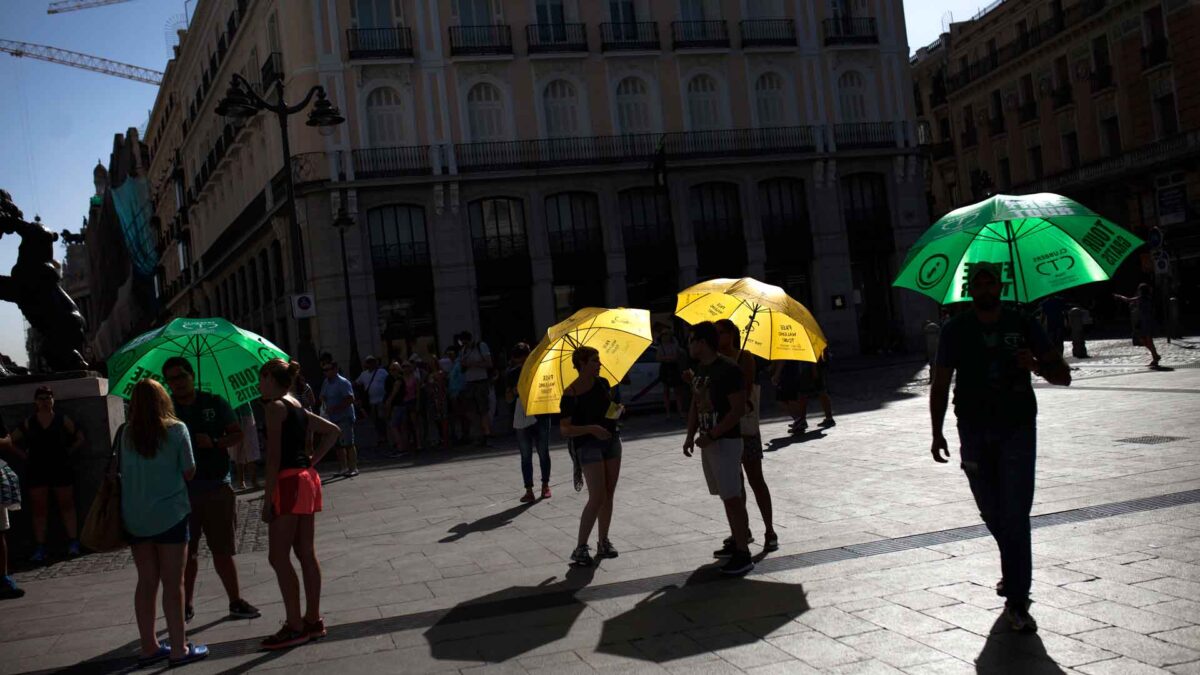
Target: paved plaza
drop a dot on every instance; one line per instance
(883, 565)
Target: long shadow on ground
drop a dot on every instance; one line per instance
(1017, 653)
(487, 523)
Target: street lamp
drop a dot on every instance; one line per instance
(343, 222)
(241, 102)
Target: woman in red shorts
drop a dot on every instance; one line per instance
(292, 497)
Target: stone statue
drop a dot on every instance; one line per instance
(34, 287)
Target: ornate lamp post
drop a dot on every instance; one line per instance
(241, 102)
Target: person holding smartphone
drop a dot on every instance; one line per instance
(994, 349)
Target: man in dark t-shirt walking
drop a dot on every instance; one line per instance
(718, 404)
(994, 349)
(213, 429)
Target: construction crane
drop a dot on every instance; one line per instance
(84, 61)
(60, 6)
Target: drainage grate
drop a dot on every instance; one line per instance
(1151, 440)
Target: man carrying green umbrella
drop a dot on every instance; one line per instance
(994, 349)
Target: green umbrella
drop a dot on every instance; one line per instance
(1045, 243)
(225, 358)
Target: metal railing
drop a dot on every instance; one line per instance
(768, 33)
(699, 34)
(851, 30)
(556, 37)
(379, 43)
(629, 37)
(1182, 146)
(495, 40)
(864, 135)
(1156, 53)
(386, 162)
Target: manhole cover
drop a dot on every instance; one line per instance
(1150, 440)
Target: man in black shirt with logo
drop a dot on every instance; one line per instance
(718, 404)
(994, 349)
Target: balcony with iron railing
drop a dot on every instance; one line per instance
(556, 38)
(1181, 147)
(1101, 78)
(629, 37)
(388, 162)
(1062, 96)
(494, 40)
(379, 43)
(1027, 112)
(864, 135)
(847, 30)
(1156, 53)
(699, 35)
(768, 33)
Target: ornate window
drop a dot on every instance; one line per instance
(498, 228)
(485, 112)
(715, 211)
(704, 103)
(573, 223)
(645, 218)
(398, 237)
(561, 108)
(852, 98)
(769, 100)
(633, 106)
(385, 118)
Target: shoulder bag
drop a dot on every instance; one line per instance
(103, 529)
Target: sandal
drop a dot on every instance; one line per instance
(194, 653)
(164, 651)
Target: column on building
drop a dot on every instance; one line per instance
(453, 265)
(833, 285)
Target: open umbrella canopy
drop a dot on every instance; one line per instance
(774, 325)
(620, 335)
(1044, 243)
(225, 358)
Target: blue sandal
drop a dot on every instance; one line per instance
(194, 653)
(164, 651)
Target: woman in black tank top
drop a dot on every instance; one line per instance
(45, 441)
(292, 498)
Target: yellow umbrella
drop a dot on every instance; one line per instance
(620, 335)
(775, 326)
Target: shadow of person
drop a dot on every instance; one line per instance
(483, 629)
(708, 612)
(1018, 653)
(485, 524)
(1162, 369)
(792, 439)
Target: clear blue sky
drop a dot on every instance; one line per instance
(56, 121)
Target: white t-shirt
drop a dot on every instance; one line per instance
(374, 382)
(475, 373)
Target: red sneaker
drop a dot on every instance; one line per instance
(315, 630)
(528, 496)
(545, 492)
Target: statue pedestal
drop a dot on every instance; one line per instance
(82, 396)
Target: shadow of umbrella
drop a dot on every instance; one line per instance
(486, 524)
(487, 628)
(708, 612)
(1016, 653)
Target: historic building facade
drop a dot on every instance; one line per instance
(1086, 98)
(505, 162)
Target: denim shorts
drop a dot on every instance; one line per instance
(179, 533)
(595, 450)
(346, 438)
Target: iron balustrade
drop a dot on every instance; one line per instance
(494, 40)
(849, 30)
(865, 135)
(379, 43)
(388, 162)
(1151, 156)
(629, 36)
(556, 37)
(699, 34)
(768, 33)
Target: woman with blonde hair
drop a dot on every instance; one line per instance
(155, 463)
(292, 498)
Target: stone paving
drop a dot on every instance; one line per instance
(435, 566)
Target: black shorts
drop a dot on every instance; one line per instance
(41, 474)
(179, 533)
(595, 450)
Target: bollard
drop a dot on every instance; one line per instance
(1173, 319)
(1075, 319)
(932, 331)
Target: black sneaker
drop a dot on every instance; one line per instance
(604, 549)
(580, 557)
(240, 609)
(728, 547)
(189, 613)
(739, 563)
(1000, 587)
(827, 422)
(771, 543)
(1019, 618)
(798, 428)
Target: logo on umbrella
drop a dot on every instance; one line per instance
(1055, 264)
(932, 271)
(198, 325)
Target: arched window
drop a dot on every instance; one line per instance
(498, 228)
(704, 101)
(716, 214)
(646, 218)
(852, 98)
(573, 223)
(485, 112)
(385, 118)
(561, 109)
(769, 100)
(398, 237)
(633, 106)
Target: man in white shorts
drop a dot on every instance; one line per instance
(8, 585)
(718, 404)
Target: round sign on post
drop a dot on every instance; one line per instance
(1162, 265)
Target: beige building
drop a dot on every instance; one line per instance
(1087, 98)
(504, 162)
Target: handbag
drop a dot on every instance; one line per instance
(103, 529)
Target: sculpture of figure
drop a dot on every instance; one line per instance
(34, 287)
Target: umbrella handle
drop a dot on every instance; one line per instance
(749, 326)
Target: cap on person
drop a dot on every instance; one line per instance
(991, 268)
